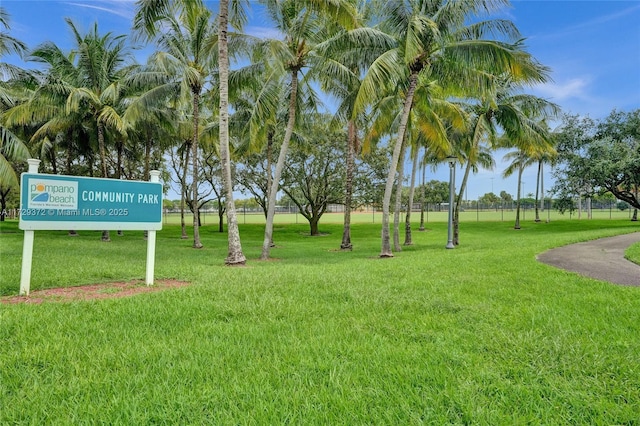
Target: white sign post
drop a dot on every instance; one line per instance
(58, 202)
(151, 239)
(27, 245)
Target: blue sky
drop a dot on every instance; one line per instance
(592, 48)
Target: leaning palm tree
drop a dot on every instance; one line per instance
(435, 41)
(504, 109)
(303, 27)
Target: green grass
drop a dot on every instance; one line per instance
(633, 253)
(482, 334)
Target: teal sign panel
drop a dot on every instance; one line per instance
(81, 203)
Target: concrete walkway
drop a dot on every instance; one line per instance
(602, 259)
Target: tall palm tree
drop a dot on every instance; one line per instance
(102, 67)
(303, 27)
(435, 41)
(187, 40)
(235, 256)
(348, 54)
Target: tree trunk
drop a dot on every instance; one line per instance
(220, 218)
(183, 194)
(54, 161)
(194, 185)
(541, 187)
(118, 171)
(270, 135)
(456, 211)
(422, 196)
(273, 191)
(3, 204)
(348, 186)
(517, 225)
(103, 159)
(398, 203)
(635, 210)
(538, 183)
(313, 225)
(407, 219)
(386, 201)
(235, 255)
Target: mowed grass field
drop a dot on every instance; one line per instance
(483, 334)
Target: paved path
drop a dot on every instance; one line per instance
(602, 259)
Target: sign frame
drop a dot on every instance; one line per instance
(60, 201)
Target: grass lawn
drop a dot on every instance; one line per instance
(482, 334)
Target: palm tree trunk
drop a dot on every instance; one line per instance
(54, 160)
(183, 192)
(456, 212)
(118, 173)
(348, 186)
(422, 197)
(517, 225)
(273, 191)
(270, 135)
(538, 183)
(407, 219)
(542, 187)
(103, 159)
(235, 255)
(398, 206)
(388, 189)
(194, 185)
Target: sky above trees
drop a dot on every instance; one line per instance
(592, 47)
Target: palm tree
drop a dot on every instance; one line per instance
(235, 256)
(434, 41)
(503, 109)
(188, 47)
(543, 157)
(348, 54)
(520, 160)
(83, 88)
(303, 28)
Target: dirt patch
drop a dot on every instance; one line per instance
(93, 291)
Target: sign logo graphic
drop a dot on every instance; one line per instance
(52, 194)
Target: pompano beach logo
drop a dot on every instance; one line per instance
(39, 193)
(52, 194)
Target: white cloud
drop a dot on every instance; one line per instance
(575, 88)
(122, 8)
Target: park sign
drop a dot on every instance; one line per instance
(58, 202)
